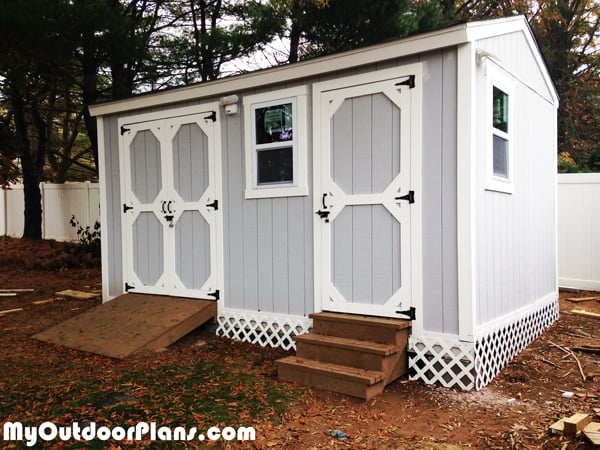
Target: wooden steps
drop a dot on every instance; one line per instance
(350, 354)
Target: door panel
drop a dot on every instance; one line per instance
(190, 162)
(171, 207)
(148, 257)
(364, 227)
(146, 177)
(192, 241)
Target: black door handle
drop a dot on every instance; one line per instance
(323, 215)
(410, 197)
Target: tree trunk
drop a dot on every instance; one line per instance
(33, 207)
(31, 173)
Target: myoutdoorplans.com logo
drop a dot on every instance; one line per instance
(49, 431)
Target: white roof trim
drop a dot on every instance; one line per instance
(497, 27)
(456, 35)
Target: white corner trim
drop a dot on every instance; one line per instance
(104, 247)
(466, 191)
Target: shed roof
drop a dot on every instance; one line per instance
(447, 37)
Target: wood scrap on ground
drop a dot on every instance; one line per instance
(43, 302)
(592, 433)
(576, 425)
(584, 313)
(77, 295)
(16, 290)
(588, 349)
(8, 311)
(571, 353)
(582, 299)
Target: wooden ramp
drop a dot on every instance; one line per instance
(131, 323)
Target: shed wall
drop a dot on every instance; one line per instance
(268, 243)
(516, 232)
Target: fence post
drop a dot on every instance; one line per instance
(87, 205)
(3, 213)
(43, 202)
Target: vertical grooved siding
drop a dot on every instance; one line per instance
(268, 243)
(113, 202)
(440, 285)
(516, 250)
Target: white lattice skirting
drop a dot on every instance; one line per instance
(451, 363)
(265, 329)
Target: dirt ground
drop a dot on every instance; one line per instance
(514, 411)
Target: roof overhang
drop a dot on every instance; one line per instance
(412, 45)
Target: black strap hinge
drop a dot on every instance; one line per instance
(216, 294)
(410, 312)
(212, 116)
(410, 82)
(128, 287)
(214, 205)
(410, 197)
(126, 207)
(124, 130)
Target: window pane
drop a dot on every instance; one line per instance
(500, 157)
(275, 165)
(274, 123)
(500, 110)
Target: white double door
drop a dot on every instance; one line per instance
(366, 197)
(171, 210)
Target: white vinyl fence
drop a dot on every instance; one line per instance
(59, 203)
(579, 230)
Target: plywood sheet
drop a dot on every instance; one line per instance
(131, 323)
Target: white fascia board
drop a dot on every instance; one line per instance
(487, 29)
(365, 56)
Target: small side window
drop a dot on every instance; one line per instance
(500, 159)
(500, 145)
(275, 144)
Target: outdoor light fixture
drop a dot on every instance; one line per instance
(229, 102)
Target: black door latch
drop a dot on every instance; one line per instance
(323, 215)
(410, 197)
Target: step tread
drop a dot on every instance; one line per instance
(367, 377)
(363, 346)
(384, 322)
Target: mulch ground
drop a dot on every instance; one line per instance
(222, 382)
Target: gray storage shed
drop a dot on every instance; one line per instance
(414, 177)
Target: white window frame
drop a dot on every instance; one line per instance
(299, 186)
(497, 78)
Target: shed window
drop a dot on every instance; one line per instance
(500, 161)
(500, 134)
(275, 141)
